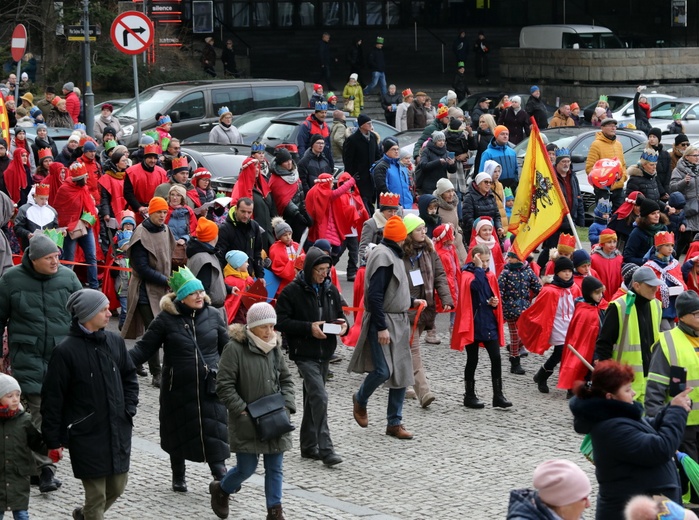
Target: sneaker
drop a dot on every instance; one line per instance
(335, 358)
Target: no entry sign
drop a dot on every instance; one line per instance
(19, 42)
(132, 32)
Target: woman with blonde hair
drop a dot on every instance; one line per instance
(484, 134)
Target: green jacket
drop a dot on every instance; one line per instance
(245, 374)
(33, 307)
(17, 440)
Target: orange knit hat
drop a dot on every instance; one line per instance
(395, 229)
(206, 230)
(157, 204)
(498, 129)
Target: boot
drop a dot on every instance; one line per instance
(540, 379)
(219, 499)
(470, 397)
(499, 400)
(179, 483)
(155, 381)
(141, 371)
(275, 513)
(431, 337)
(516, 366)
(46, 481)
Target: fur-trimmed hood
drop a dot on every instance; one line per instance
(168, 303)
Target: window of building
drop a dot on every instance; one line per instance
(380, 13)
(340, 13)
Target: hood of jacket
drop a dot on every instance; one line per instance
(238, 332)
(424, 201)
(601, 137)
(526, 504)
(195, 246)
(171, 306)
(589, 412)
(677, 200)
(637, 171)
(314, 257)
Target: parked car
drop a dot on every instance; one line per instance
(59, 135)
(116, 105)
(633, 154)
(621, 105)
(222, 160)
(193, 105)
(568, 36)
(578, 141)
(495, 96)
(252, 124)
(662, 115)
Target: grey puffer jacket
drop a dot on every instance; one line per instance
(690, 189)
(245, 374)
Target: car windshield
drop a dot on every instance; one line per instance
(151, 102)
(278, 132)
(667, 109)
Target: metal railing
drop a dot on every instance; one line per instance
(441, 42)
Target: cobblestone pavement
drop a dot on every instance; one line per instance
(462, 463)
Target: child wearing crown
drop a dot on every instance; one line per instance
(565, 248)
(669, 272)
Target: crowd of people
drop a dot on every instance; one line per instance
(96, 228)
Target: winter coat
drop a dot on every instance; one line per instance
(205, 266)
(605, 148)
(310, 126)
(31, 217)
(483, 139)
(517, 284)
(354, 91)
(88, 401)
(311, 166)
(640, 241)
(390, 176)
(39, 143)
(221, 134)
(633, 455)
(338, 134)
(103, 123)
(192, 422)
(476, 205)
(516, 122)
(245, 375)
(451, 212)
(300, 304)
(663, 169)
(690, 189)
(65, 157)
(417, 116)
(245, 237)
(402, 116)
(434, 283)
(431, 168)
(526, 504)
(32, 306)
(376, 60)
(58, 119)
(649, 185)
(358, 155)
(426, 135)
(505, 156)
(536, 108)
(432, 220)
(18, 437)
(559, 119)
(73, 106)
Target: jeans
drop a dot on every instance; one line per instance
(246, 466)
(314, 426)
(377, 78)
(380, 374)
(123, 300)
(17, 515)
(87, 244)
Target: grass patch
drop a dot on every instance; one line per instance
(583, 233)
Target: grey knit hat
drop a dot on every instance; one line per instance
(261, 313)
(8, 384)
(687, 303)
(40, 245)
(85, 304)
(280, 227)
(438, 135)
(70, 86)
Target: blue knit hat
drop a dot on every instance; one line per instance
(183, 282)
(533, 89)
(236, 258)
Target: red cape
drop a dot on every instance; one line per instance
(246, 182)
(282, 265)
(693, 250)
(608, 272)
(464, 326)
(582, 334)
(71, 201)
(16, 176)
(115, 188)
(358, 302)
(232, 303)
(57, 174)
(536, 323)
(348, 215)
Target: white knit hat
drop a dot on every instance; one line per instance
(443, 185)
(261, 313)
(483, 176)
(8, 384)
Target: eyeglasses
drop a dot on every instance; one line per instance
(488, 182)
(321, 270)
(684, 145)
(693, 155)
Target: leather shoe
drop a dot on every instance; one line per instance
(332, 459)
(399, 432)
(141, 371)
(360, 414)
(47, 482)
(219, 499)
(313, 453)
(78, 514)
(179, 484)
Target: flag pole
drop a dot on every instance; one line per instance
(575, 231)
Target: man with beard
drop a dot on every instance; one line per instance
(141, 181)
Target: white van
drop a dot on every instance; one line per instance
(568, 37)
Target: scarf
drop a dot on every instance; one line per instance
(6, 413)
(666, 277)
(289, 176)
(116, 175)
(232, 271)
(379, 219)
(264, 346)
(560, 282)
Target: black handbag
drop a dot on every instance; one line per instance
(270, 417)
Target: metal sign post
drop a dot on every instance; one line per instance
(135, 92)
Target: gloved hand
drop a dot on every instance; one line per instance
(56, 454)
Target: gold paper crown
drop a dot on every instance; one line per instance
(566, 243)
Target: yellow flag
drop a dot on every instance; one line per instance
(4, 122)
(539, 205)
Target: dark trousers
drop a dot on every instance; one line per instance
(218, 468)
(314, 425)
(554, 358)
(351, 244)
(390, 118)
(147, 316)
(493, 350)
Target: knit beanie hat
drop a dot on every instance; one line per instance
(455, 125)
(280, 227)
(648, 206)
(236, 258)
(85, 304)
(498, 129)
(89, 146)
(589, 285)
(389, 143)
(438, 135)
(627, 271)
(443, 186)
(680, 138)
(40, 246)
(157, 204)
(323, 245)
(412, 222)
(656, 132)
(179, 190)
(686, 303)
(560, 482)
(479, 223)
(607, 235)
(395, 229)
(207, 230)
(261, 313)
(8, 384)
(580, 257)
(282, 155)
(70, 86)
(483, 176)
(563, 263)
(363, 119)
(443, 232)
(315, 138)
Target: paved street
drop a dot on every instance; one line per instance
(461, 463)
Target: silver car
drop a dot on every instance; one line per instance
(688, 108)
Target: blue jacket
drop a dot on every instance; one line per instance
(640, 241)
(390, 176)
(505, 156)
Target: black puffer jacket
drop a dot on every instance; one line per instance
(536, 108)
(245, 237)
(663, 168)
(483, 139)
(299, 305)
(88, 399)
(311, 166)
(431, 168)
(193, 424)
(476, 205)
(650, 185)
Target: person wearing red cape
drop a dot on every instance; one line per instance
(141, 181)
(350, 215)
(545, 323)
(480, 296)
(607, 261)
(483, 233)
(283, 254)
(582, 334)
(443, 240)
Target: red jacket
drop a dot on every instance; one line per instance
(73, 106)
(536, 323)
(582, 335)
(464, 325)
(94, 172)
